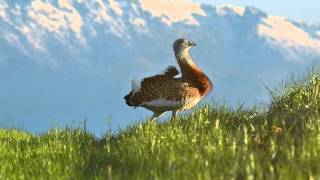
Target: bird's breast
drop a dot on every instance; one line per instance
(162, 104)
(190, 102)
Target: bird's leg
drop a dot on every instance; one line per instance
(155, 116)
(173, 117)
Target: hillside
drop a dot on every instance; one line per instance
(63, 60)
(213, 142)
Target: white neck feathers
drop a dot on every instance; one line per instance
(183, 56)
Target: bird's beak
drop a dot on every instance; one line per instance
(192, 43)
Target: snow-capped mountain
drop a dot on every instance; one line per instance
(69, 60)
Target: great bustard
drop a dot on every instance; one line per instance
(165, 92)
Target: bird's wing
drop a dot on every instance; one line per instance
(140, 81)
(160, 91)
(163, 90)
(169, 72)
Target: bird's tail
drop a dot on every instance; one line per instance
(127, 98)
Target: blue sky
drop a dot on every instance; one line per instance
(299, 10)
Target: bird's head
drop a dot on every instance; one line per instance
(182, 44)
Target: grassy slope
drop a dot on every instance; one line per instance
(212, 142)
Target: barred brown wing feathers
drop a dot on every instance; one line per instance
(168, 88)
(158, 93)
(168, 73)
(173, 94)
(171, 71)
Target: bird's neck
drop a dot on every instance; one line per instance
(192, 72)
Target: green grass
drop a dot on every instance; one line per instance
(213, 142)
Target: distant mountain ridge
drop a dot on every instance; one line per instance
(70, 60)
